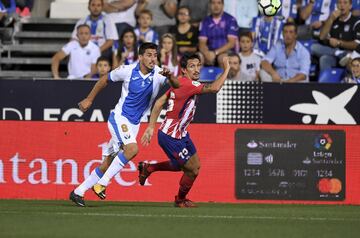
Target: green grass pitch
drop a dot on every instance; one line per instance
(29, 218)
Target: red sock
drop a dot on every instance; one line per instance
(185, 185)
(162, 166)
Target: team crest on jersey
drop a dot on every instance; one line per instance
(196, 83)
(124, 128)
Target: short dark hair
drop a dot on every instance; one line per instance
(233, 54)
(221, 1)
(183, 7)
(147, 45)
(290, 24)
(186, 57)
(103, 58)
(83, 25)
(102, 2)
(246, 34)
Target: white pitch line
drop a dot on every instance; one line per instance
(228, 217)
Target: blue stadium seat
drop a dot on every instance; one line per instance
(332, 75)
(308, 44)
(209, 73)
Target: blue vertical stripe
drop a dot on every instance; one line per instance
(122, 159)
(98, 172)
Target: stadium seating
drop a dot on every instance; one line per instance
(209, 73)
(332, 75)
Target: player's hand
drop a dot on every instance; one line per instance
(334, 42)
(165, 72)
(146, 137)
(335, 14)
(226, 62)
(85, 104)
(276, 77)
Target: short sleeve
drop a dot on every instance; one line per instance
(68, 47)
(120, 73)
(194, 87)
(233, 27)
(203, 29)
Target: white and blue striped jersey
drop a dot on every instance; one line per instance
(321, 10)
(101, 30)
(138, 91)
(288, 9)
(150, 36)
(267, 33)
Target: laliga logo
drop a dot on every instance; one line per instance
(323, 141)
(327, 108)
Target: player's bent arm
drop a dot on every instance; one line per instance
(55, 62)
(215, 86)
(174, 81)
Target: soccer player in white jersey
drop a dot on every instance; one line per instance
(141, 84)
(172, 135)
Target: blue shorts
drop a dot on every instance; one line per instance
(179, 151)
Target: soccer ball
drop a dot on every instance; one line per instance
(269, 7)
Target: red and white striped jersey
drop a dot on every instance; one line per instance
(181, 107)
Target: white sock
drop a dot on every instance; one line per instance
(117, 164)
(90, 181)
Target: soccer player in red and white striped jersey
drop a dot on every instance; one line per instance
(172, 135)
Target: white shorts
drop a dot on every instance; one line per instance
(122, 132)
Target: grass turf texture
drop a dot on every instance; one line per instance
(20, 218)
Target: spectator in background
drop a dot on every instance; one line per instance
(244, 12)
(218, 34)
(125, 50)
(144, 32)
(289, 10)
(83, 56)
(122, 13)
(250, 62)
(235, 73)
(338, 35)
(164, 10)
(266, 33)
(103, 67)
(7, 9)
(103, 31)
(314, 13)
(356, 8)
(355, 72)
(199, 10)
(287, 61)
(168, 54)
(186, 35)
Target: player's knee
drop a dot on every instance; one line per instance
(132, 150)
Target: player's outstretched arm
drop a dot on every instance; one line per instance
(174, 81)
(159, 104)
(85, 104)
(215, 86)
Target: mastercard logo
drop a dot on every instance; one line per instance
(327, 185)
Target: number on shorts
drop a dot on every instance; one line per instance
(183, 153)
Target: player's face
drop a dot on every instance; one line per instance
(95, 8)
(289, 34)
(216, 7)
(344, 6)
(245, 44)
(144, 20)
(183, 15)
(193, 68)
(103, 67)
(148, 59)
(234, 66)
(83, 35)
(355, 68)
(128, 39)
(167, 44)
